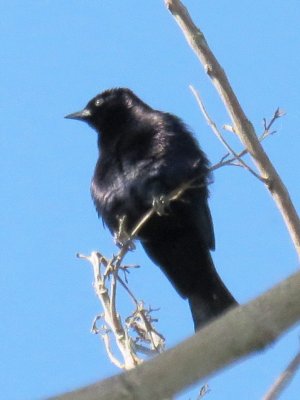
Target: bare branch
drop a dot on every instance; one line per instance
(284, 379)
(109, 352)
(110, 316)
(241, 125)
(231, 337)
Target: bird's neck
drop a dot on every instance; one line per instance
(114, 126)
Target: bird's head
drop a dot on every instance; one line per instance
(108, 110)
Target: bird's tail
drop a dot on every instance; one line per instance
(211, 299)
(191, 270)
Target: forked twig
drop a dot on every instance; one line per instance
(267, 132)
(216, 131)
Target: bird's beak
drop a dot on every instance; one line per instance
(80, 115)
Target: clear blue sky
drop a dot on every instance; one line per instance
(55, 56)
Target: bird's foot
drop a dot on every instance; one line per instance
(160, 204)
(122, 237)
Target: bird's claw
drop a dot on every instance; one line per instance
(123, 239)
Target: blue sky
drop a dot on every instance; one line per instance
(55, 56)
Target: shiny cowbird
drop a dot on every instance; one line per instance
(144, 155)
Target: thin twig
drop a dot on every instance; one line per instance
(113, 294)
(267, 132)
(109, 352)
(284, 379)
(216, 131)
(278, 113)
(131, 295)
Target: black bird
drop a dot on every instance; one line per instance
(145, 154)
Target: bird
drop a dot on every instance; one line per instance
(144, 155)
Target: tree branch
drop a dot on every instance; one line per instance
(231, 337)
(242, 126)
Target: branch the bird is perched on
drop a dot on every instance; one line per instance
(145, 340)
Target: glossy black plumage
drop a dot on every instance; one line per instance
(145, 153)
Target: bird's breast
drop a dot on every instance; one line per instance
(119, 189)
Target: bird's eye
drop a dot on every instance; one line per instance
(98, 102)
